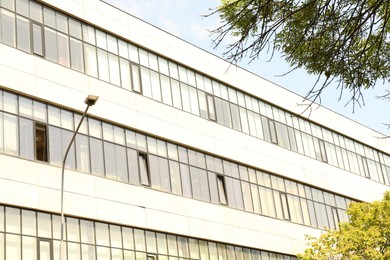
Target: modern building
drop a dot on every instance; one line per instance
(182, 157)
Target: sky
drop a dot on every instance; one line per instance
(185, 19)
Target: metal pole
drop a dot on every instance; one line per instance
(62, 184)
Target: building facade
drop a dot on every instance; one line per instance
(182, 157)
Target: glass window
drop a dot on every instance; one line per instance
(116, 236)
(63, 49)
(146, 83)
(12, 220)
(41, 142)
(133, 53)
(23, 34)
(97, 162)
(163, 66)
(185, 180)
(125, 75)
(166, 90)
(112, 45)
(76, 55)
(11, 132)
(36, 11)
(29, 248)
(247, 196)
(13, 245)
(128, 239)
(244, 120)
(151, 242)
(109, 160)
(21, 7)
(103, 65)
(155, 85)
(74, 28)
(26, 139)
(51, 44)
(102, 235)
(87, 231)
(176, 96)
(73, 229)
(90, 60)
(221, 189)
(136, 78)
(143, 168)
(123, 49)
(49, 16)
(37, 33)
(8, 27)
(114, 69)
(44, 225)
(185, 95)
(139, 239)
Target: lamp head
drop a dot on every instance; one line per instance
(91, 100)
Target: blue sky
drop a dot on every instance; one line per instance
(183, 18)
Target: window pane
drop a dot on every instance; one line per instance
(136, 78)
(143, 169)
(55, 145)
(37, 39)
(63, 49)
(185, 180)
(97, 162)
(10, 134)
(87, 231)
(29, 226)
(13, 245)
(90, 60)
(125, 74)
(26, 139)
(82, 153)
(51, 45)
(29, 248)
(73, 230)
(102, 237)
(76, 55)
(23, 35)
(103, 65)
(176, 96)
(116, 236)
(44, 225)
(114, 69)
(8, 27)
(75, 28)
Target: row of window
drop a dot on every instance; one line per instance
(36, 131)
(31, 27)
(28, 234)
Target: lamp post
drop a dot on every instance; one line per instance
(89, 101)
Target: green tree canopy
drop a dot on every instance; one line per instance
(342, 41)
(365, 236)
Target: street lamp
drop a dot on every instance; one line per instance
(89, 101)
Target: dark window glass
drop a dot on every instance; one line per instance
(221, 189)
(41, 142)
(143, 169)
